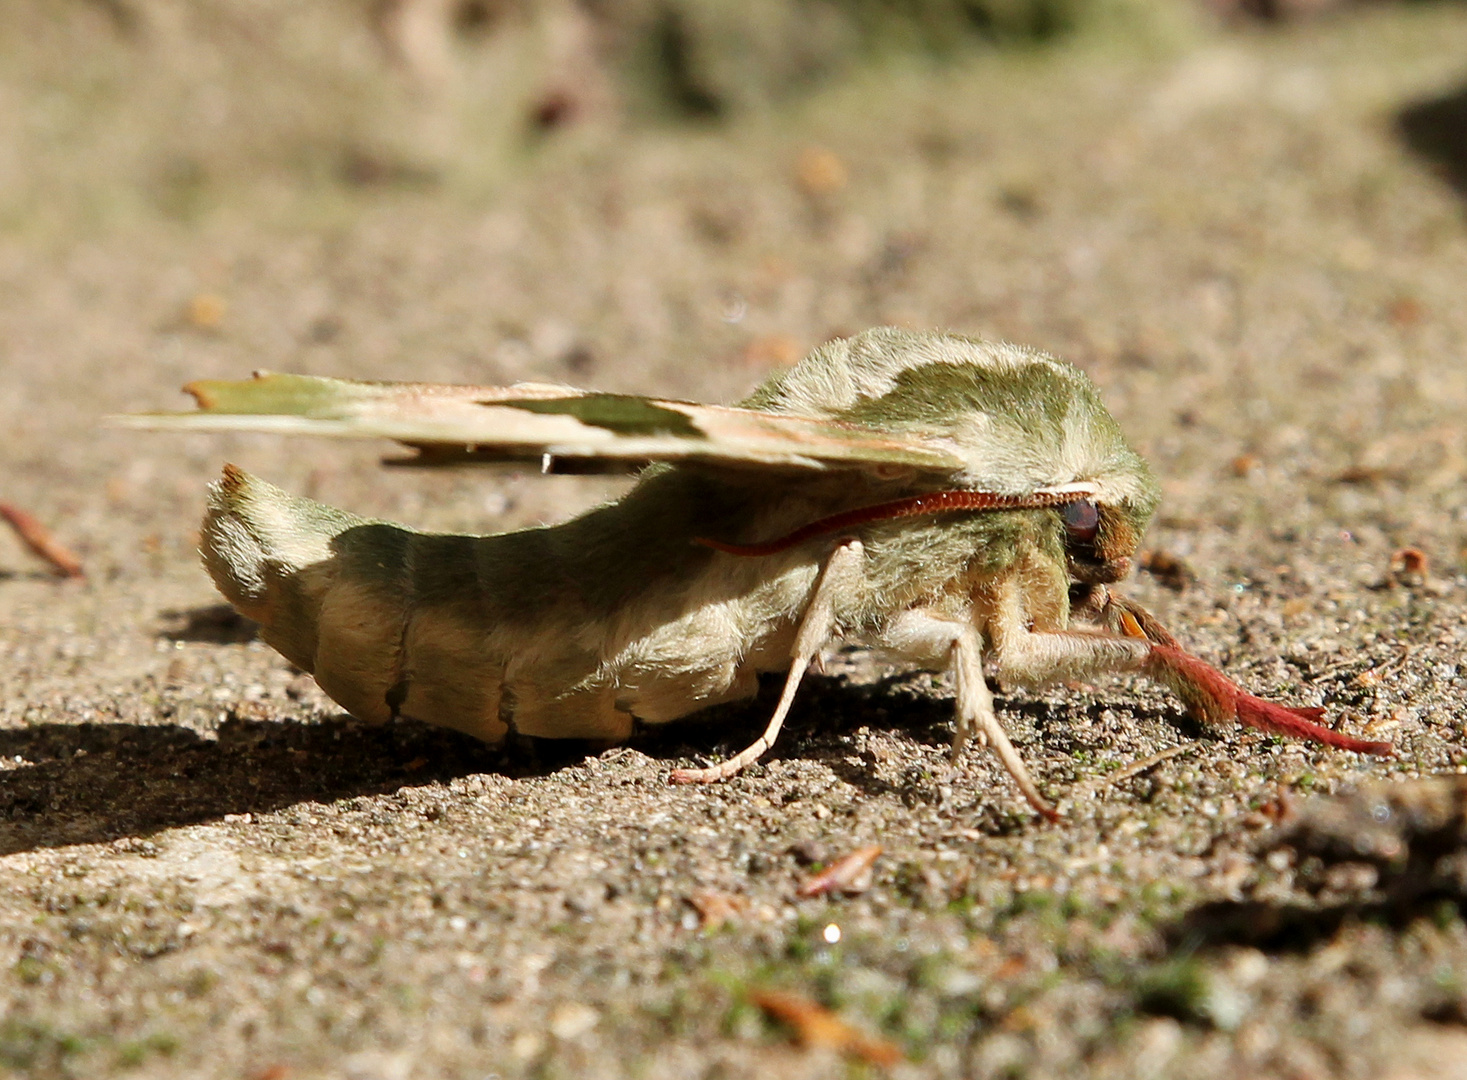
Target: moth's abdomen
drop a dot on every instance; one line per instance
(537, 631)
(270, 555)
(387, 620)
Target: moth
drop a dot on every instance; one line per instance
(948, 501)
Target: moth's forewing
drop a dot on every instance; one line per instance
(530, 422)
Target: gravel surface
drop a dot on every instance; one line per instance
(209, 872)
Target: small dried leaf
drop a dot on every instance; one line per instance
(206, 311)
(1244, 464)
(820, 171)
(1012, 967)
(815, 1025)
(1021, 1019)
(1409, 565)
(1406, 311)
(849, 874)
(716, 908)
(1170, 570)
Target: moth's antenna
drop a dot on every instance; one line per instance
(934, 502)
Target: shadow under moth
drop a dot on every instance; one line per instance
(944, 500)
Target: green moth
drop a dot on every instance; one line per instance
(942, 499)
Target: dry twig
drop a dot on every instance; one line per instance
(1136, 768)
(41, 543)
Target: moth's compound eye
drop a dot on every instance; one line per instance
(1082, 520)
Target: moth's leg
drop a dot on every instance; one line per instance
(1035, 657)
(816, 627)
(1143, 644)
(1123, 616)
(1091, 605)
(926, 637)
(1210, 696)
(975, 708)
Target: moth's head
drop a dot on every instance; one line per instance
(1099, 539)
(1021, 422)
(1100, 534)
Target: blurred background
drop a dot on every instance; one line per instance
(1241, 216)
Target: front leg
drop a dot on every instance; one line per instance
(1036, 657)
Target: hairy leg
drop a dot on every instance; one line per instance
(1036, 657)
(925, 636)
(816, 627)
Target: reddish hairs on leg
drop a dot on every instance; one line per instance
(1216, 697)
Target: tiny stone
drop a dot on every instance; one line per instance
(572, 1019)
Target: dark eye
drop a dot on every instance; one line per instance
(1082, 520)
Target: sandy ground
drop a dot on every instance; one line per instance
(209, 872)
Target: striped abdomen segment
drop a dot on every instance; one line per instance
(388, 620)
